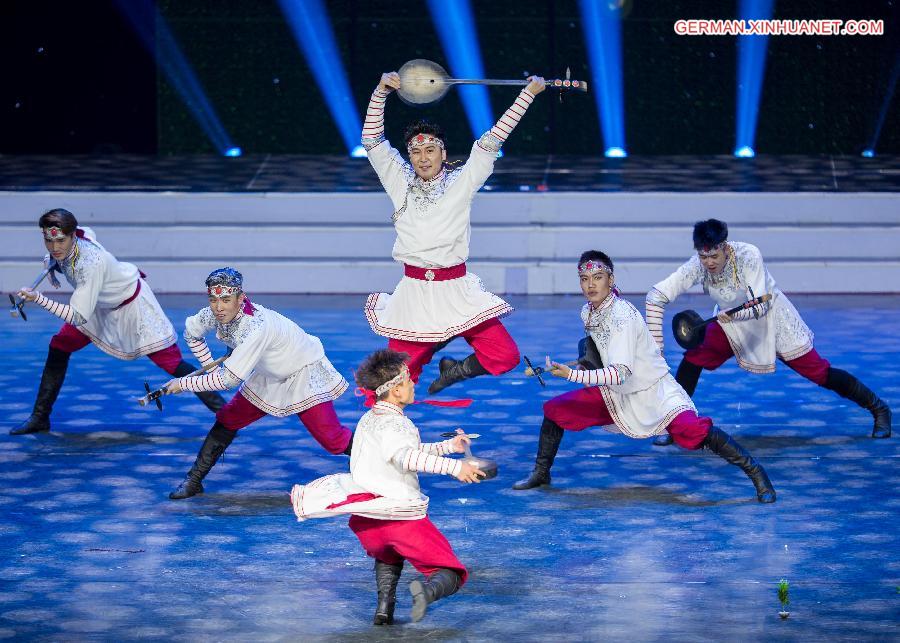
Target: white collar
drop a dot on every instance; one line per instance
(387, 407)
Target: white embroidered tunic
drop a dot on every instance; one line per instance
(643, 397)
(778, 330)
(101, 285)
(432, 222)
(284, 370)
(387, 452)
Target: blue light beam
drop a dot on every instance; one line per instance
(456, 29)
(603, 33)
(750, 72)
(869, 152)
(309, 22)
(158, 39)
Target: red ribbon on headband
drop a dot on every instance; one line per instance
(371, 399)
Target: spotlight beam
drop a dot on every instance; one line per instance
(311, 27)
(750, 72)
(159, 40)
(603, 34)
(456, 31)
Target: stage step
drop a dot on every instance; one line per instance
(521, 243)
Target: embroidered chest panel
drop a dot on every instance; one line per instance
(603, 323)
(424, 195)
(235, 332)
(89, 257)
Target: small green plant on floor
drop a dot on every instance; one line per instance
(783, 597)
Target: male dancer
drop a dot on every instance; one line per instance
(437, 299)
(111, 306)
(633, 391)
(730, 273)
(382, 491)
(281, 370)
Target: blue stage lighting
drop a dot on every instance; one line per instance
(603, 34)
(750, 73)
(745, 152)
(233, 151)
(157, 38)
(456, 29)
(308, 20)
(615, 153)
(885, 106)
(358, 152)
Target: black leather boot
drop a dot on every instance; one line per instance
(51, 381)
(724, 446)
(548, 445)
(453, 371)
(440, 584)
(211, 399)
(386, 577)
(687, 376)
(217, 440)
(845, 385)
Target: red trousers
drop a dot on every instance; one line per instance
(715, 351)
(493, 346)
(321, 421)
(69, 339)
(418, 541)
(581, 408)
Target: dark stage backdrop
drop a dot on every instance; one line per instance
(821, 95)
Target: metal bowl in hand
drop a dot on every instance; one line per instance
(487, 466)
(689, 329)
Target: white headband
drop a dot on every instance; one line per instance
(401, 377)
(593, 265)
(421, 140)
(219, 291)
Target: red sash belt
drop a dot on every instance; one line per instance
(137, 291)
(435, 274)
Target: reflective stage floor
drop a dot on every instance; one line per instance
(631, 541)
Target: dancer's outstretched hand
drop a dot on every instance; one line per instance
(389, 81)
(469, 473)
(537, 85)
(557, 369)
(173, 387)
(460, 441)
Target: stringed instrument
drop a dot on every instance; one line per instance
(423, 81)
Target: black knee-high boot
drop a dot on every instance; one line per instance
(386, 578)
(724, 446)
(442, 583)
(217, 440)
(51, 381)
(847, 386)
(453, 371)
(687, 376)
(211, 399)
(548, 444)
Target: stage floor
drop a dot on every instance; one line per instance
(632, 542)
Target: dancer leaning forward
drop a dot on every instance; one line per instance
(281, 371)
(729, 272)
(381, 493)
(632, 390)
(111, 306)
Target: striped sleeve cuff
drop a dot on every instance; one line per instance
(418, 460)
